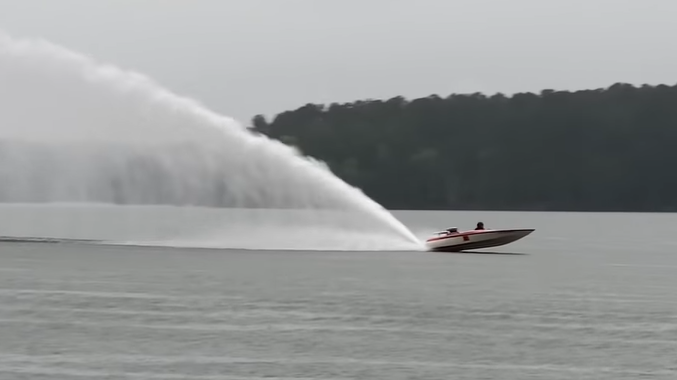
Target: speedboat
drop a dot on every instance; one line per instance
(453, 240)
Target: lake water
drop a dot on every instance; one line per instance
(586, 296)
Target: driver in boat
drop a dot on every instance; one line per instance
(480, 226)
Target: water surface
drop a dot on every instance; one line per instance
(587, 296)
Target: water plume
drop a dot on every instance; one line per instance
(75, 130)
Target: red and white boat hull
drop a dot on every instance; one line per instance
(475, 239)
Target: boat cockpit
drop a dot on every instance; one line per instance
(448, 231)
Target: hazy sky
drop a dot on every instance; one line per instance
(243, 57)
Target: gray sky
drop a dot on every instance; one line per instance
(246, 57)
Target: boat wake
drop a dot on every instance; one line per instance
(363, 245)
(195, 227)
(73, 129)
(29, 239)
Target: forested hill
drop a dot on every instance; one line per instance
(611, 149)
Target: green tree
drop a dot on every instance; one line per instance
(601, 149)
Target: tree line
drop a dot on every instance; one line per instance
(611, 149)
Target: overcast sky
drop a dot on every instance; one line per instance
(243, 57)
